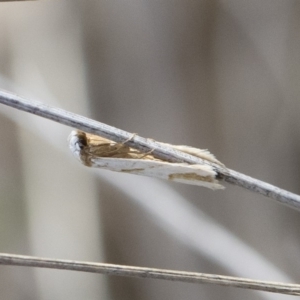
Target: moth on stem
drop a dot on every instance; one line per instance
(98, 152)
(82, 123)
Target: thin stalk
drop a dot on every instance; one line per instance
(158, 150)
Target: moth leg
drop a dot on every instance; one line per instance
(129, 139)
(123, 144)
(135, 151)
(118, 148)
(146, 154)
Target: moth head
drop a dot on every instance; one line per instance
(78, 142)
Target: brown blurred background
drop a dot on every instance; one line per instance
(222, 75)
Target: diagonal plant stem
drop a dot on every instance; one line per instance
(142, 272)
(158, 150)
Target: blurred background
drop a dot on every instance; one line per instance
(221, 75)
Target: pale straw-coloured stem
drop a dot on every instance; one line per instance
(141, 272)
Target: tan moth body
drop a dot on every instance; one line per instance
(95, 151)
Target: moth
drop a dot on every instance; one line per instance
(98, 152)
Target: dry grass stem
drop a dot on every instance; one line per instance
(141, 272)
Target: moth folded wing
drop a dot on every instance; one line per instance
(201, 153)
(184, 173)
(201, 175)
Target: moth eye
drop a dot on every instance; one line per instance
(81, 140)
(77, 140)
(79, 145)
